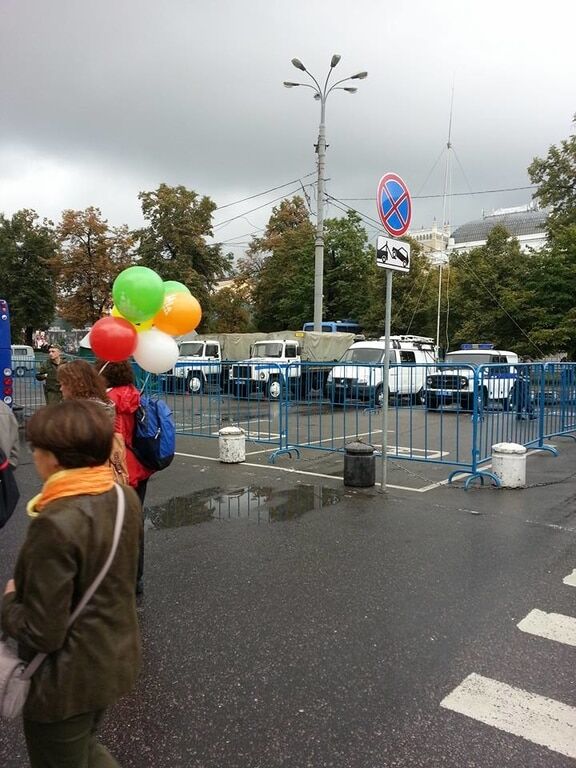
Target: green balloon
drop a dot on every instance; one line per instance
(173, 286)
(138, 293)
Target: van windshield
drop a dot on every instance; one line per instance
(363, 355)
(191, 349)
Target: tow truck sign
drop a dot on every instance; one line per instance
(393, 254)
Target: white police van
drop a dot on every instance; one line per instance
(453, 382)
(358, 377)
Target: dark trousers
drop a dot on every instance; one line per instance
(141, 491)
(67, 744)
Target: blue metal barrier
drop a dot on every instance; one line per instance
(438, 414)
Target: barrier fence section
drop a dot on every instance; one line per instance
(203, 399)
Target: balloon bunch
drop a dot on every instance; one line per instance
(146, 315)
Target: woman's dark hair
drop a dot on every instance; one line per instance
(78, 433)
(115, 374)
(82, 380)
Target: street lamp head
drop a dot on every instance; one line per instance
(317, 96)
(350, 90)
(359, 76)
(298, 64)
(335, 59)
(288, 84)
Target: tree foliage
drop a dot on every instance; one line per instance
(26, 278)
(555, 176)
(279, 268)
(491, 298)
(174, 243)
(230, 311)
(348, 268)
(553, 273)
(90, 256)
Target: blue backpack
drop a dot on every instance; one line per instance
(154, 438)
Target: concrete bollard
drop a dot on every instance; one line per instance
(359, 465)
(509, 464)
(232, 445)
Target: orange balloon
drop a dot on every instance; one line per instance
(180, 314)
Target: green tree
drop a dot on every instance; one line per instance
(279, 269)
(491, 297)
(26, 278)
(555, 176)
(348, 268)
(174, 243)
(90, 256)
(553, 276)
(229, 311)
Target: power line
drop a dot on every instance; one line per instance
(272, 189)
(453, 194)
(264, 205)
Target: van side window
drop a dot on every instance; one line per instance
(407, 356)
(291, 350)
(211, 350)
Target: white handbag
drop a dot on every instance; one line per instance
(15, 674)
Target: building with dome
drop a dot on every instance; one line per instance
(526, 223)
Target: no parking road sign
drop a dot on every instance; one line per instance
(394, 204)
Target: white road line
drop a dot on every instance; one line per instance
(538, 719)
(570, 580)
(552, 626)
(293, 471)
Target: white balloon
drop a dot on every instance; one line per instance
(155, 351)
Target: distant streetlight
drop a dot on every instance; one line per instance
(321, 94)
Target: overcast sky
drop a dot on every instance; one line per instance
(102, 99)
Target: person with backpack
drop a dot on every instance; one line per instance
(119, 379)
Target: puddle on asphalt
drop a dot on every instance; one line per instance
(256, 504)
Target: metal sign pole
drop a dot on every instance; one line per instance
(385, 378)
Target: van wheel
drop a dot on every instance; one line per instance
(194, 383)
(20, 371)
(419, 398)
(431, 402)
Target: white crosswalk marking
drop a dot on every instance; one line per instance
(553, 626)
(570, 579)
(538, 719)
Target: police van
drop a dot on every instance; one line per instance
(453, 382)
(358, 376)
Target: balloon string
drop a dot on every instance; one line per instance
(103, 367)
(145, 382)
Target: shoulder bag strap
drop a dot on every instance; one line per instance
(39, 658)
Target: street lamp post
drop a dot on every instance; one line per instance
(321, 94)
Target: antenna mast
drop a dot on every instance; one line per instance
(445, 214)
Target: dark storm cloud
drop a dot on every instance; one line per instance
(134, 92)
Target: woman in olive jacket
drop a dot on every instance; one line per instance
(94, 662)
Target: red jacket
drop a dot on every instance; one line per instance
(127, 399)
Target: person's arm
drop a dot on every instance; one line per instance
(37, 612)
(42, 372)
(14, 453)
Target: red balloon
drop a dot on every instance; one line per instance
(113, 339)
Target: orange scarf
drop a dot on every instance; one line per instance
(72, 482)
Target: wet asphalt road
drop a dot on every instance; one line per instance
(290, 622)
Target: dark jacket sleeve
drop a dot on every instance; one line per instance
(37, 614)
